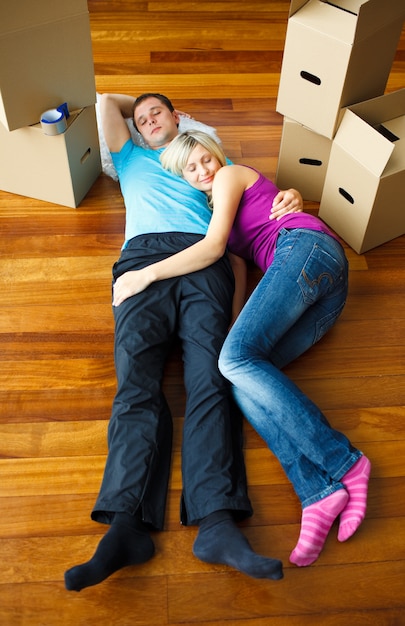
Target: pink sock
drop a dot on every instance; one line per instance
(356, 483)
(316, 523)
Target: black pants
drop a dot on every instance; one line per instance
(195, 307)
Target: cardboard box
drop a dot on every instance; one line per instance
(363, 195)
(303, 160)
(336, 54)
(46, 59)
(60, 168)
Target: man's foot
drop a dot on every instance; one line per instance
(219, 540)
(125, 543)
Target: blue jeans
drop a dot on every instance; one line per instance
(296, 302)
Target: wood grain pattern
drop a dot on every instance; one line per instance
(220, 61)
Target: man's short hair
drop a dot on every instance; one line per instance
(163, 99)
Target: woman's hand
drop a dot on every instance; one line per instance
(287, 201)
(129, 284)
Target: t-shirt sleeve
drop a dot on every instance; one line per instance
(120, 158)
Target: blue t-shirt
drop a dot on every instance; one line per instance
(157, 201)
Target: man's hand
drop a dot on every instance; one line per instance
(183, 113)
(288, 201)
(129, 284)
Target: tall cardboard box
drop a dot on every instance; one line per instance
(363, 194)
(303, 160)
(45, 59)
(336, 54)
(60, 168)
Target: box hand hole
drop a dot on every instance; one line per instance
(85, 156)
(314, 162)
(385, 132)
(346, 195)
(310, 77)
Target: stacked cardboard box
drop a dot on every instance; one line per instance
(46, 60)
(362, 199)
(337, 54)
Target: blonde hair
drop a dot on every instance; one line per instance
(174, 158)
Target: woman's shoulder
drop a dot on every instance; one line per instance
(239, 167)
(244, 174)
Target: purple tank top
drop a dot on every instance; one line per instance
(253, 235)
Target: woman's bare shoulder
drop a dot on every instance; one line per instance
(238, 172)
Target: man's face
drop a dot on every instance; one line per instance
(157, 125)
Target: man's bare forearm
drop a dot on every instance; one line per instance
(115, 109)
(123, 102)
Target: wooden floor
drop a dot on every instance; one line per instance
(220, 61)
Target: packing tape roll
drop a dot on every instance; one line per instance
(53, 121)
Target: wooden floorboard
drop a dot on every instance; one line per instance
(220, 62)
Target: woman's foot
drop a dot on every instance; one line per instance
(316, 522)
(356, 483)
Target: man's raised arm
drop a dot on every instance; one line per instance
(114, 109)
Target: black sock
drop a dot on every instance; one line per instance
(127, 542)
(219, 540)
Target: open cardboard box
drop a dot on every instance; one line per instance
(60, 168)
(46, 58)
(363, 194)
(336, 54)
(303, 160)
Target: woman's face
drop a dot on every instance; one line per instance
(201, 168)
